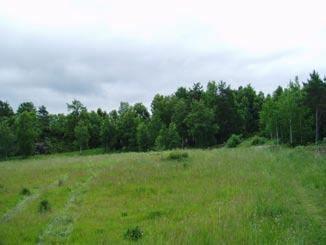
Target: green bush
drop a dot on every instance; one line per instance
(25, 192)
(256, 140)
(44, 206)
(177, 155)
(324, 141)
(134, 234)
(233, 141)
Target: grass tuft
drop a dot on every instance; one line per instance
(177, 155)
(44, 206)
(25, 192)
(133, 234)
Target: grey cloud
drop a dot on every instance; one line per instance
(53, 70)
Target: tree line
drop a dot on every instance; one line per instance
(190, 117)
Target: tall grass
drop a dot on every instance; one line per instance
(249, 195)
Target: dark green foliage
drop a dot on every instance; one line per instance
(256, 140)
(190, 117)
(6, 139)
(201, 124)
(233, 141)
(133, 234)
(315, 90)
(26, 107)
(25, 192)
(177, 155)
(144, 137)
(82, 135)
(109, 133)
(5, 110)
(168, 138)
(26, 134)
(324, 140)
(44, 206)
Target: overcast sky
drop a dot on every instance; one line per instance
(104, 52)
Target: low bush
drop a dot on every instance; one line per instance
(256, 140)
(177, 155)
(324, 141)
(233, 141)
(44, 206)
(134, 234)
(25, 192)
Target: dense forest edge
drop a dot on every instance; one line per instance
(194, 117)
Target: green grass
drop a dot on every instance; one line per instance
(246, 195)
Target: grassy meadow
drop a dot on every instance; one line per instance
(245, 195)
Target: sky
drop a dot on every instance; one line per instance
(104, 52)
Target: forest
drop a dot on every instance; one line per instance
(195, 117)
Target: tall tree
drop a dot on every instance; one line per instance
(315, 89)
(249, 104)
(144, 137)
(109, 133)
(228, 116)
(201, 124)
(43, 122)
(77, 111)
(168, 138)
(26, 107)
(26, 133)
(5, 110)
(6, 139)
(82, 135)
(181, 110)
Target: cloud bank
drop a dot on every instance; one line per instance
(104, 52)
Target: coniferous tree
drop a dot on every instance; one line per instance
(26, 133)
(315, 89)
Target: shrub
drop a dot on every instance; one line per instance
(233, 141)
(44, 206)
(177, 155)
(25, 192)
(134, 234)
(256, 140)
(324, 141)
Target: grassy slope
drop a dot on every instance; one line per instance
(242, 195)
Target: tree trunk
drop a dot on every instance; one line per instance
(317, 128)
(80, 150)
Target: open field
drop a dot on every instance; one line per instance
(244, 195)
